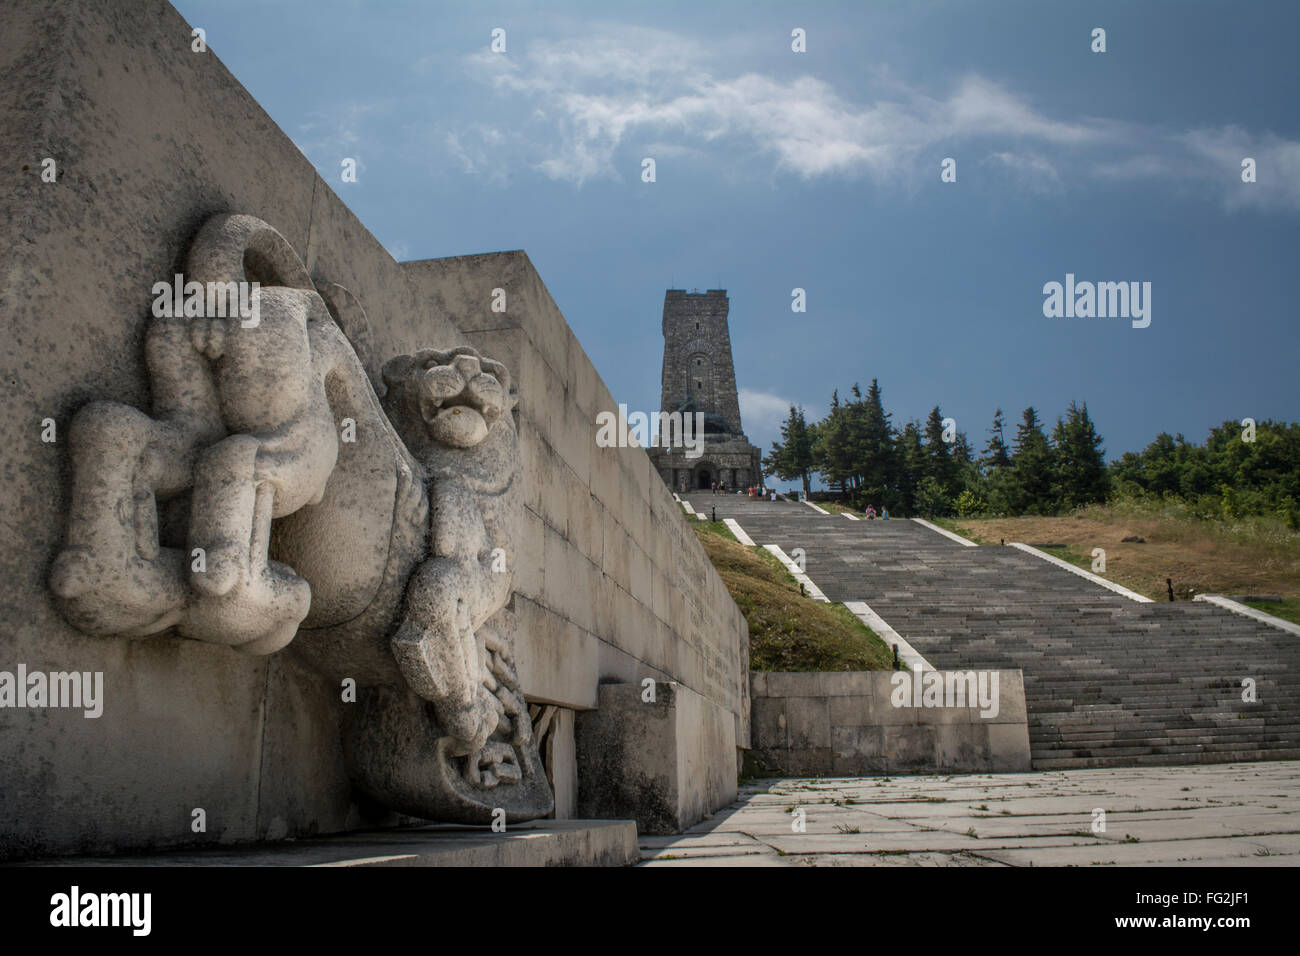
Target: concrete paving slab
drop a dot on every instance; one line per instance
(1223, 814)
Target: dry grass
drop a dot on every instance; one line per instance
(789, 631)
(1201, 557)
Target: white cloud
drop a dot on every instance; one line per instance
(1031, 170)
(589, 98)
(592, 107)
(763, 411)
(1277, 166)
(329, 138)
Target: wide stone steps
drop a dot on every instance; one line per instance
(1108, 681)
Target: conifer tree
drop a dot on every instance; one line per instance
(912, 467)
(941, 465)
(1079, 471)
(996, 454)
(1031, 467)
(792, 457)
(879, 466)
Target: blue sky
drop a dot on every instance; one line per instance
(821, 170)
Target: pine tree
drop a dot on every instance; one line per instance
(1080, 467)
(834, 457)
(879, 467)
(962, 450)
(1030, 489)
(792, 457)
(856, 445)
(941, 465)
(912, 466)
(996, 454)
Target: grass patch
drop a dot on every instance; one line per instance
(1288, 610)
(1070, 556)
(789, 631)
(720, 529)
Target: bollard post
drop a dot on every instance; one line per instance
(897, 665)
(1170, 583)
(715, 513)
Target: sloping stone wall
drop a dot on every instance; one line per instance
(150, 139)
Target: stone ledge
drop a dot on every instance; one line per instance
(539, 843)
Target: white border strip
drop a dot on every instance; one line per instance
(690, 510)
(738, 531)
(906, 652)
(946, 533)
(814, 507)
(850, 517)
(1095, 579)
(1246, 610)
(813, 590)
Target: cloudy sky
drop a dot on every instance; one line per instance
(821, 170)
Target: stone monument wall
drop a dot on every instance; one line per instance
(149, 140)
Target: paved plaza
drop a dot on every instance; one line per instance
(1221, 815)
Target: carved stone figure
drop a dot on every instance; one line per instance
(272, 496)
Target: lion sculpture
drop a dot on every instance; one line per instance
(273, 496)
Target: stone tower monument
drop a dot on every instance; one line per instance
(698, 376)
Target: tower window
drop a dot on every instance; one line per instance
(697, 325)
(698, 385)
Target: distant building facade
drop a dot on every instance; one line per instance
(698, 376)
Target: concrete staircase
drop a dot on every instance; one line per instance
(1108, 681)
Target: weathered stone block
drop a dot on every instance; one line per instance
(1009, 748)
(961, 746)
(1011, 699)
(809, 722)
(806, 761)
(857, 751)
(530, 563)
(850, 711)
(769, 725)
(557, 660)
(884, 713)
(850, 683)
(792, 684)
(562, 763)
(666, 763)
(909, 749)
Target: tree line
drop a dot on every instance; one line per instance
(930, 468)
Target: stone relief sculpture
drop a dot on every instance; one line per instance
(273, 496)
